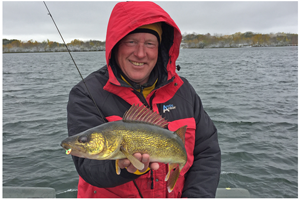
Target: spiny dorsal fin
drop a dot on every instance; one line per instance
(181, 133)
(138, 113)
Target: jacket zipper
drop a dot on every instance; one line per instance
(152, 185)
(141, 96)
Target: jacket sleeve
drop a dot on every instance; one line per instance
(203, 177)
(83, 115)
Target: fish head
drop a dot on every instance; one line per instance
(86, 145)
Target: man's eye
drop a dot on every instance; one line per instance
(150, 45)
(130, 43)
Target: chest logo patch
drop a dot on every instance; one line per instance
(168, 108)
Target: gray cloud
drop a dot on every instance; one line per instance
(87, 20)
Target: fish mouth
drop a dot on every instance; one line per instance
(73, 150)
(69, 143)
(65, 145)
(68, 146)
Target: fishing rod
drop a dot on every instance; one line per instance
(101, 115)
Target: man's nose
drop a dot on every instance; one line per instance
(140, 51)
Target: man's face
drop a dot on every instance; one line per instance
(137, 55)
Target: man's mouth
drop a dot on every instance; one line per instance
(137, 63)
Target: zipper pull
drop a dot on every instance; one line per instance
(141, 89)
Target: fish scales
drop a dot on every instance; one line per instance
(157, 142)
(161, 144)
(121, 139)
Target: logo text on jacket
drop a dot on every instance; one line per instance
(168, 108)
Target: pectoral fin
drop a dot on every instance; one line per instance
(118, 170)
(171, 167)
(135, 162)
(172, 180)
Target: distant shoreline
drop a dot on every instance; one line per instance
(189, 41)
(51, 51)
(26, 51)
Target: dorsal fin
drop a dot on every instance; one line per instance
(138, 113)
(181, 133)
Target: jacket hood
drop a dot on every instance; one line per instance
(127, 16)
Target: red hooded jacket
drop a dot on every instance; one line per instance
(174, 98)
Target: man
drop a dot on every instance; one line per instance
(142, 45)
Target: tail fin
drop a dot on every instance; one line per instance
(172, 180)
(181, 133)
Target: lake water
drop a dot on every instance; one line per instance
(251, 94)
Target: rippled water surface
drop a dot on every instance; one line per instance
(251, 94)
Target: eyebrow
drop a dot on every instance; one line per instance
(129, 37)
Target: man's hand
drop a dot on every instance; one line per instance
(144, 158)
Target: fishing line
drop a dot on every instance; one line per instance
(101, 115)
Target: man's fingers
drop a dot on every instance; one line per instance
(131, 168)
(124, 163)
(145, 159)
(154, 165)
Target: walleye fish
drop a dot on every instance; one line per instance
(140, 131)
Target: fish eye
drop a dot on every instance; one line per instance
(82, 139)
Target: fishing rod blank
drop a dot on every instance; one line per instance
(101, 115)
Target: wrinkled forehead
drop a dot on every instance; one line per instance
(141, 37)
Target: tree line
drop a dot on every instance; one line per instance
(15, 45)
(193, 40)
(238, 40)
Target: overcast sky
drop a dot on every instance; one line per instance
(25, 20)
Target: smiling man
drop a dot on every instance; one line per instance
(142, 45)
(137, 53)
